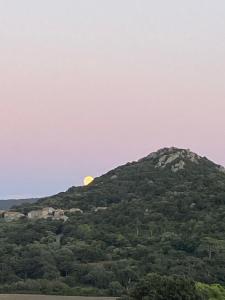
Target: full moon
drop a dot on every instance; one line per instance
(88, 180)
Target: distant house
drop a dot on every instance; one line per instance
(44, 213)
(58, 214)
(34, 214)
(12, 216)
(47, 212)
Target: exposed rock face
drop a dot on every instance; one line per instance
(76, 210)
(173, 157)
(100, 208)
(178, 166)
(221, 169)
(167, 159)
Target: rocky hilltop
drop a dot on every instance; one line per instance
(173, 157)
(165, 169)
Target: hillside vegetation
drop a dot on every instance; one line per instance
(7, 204)
(164, 214)
(40, 297)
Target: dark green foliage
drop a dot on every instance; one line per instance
(156, 287)
(212, 292)
(157, 221)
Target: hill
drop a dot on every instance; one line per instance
(7, 204)
(164, 214)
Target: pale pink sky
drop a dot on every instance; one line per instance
(86, 85)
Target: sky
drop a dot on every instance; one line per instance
(87, 85)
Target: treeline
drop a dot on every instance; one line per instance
(156, 287)
(151, 287)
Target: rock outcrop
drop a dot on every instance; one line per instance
(172, 157)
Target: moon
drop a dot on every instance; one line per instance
(88, 180)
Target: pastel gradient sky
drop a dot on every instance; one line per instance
(87, 85)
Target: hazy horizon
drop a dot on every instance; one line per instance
(88, 85)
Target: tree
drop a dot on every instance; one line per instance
(156, 287)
